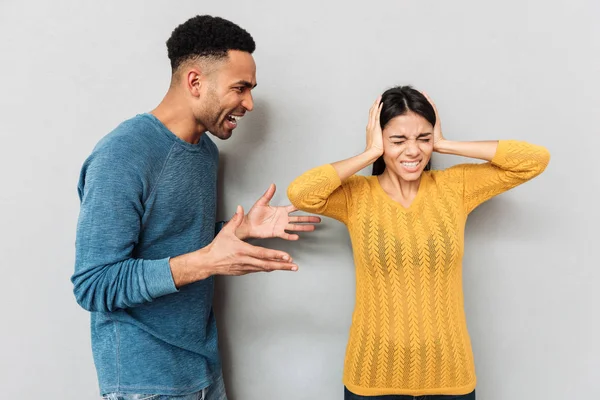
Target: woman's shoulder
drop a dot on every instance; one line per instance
(359, 182)
(453, 175)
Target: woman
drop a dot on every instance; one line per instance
(409, 335)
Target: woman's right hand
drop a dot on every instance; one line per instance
(374, 133)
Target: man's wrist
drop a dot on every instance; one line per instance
(191, 267)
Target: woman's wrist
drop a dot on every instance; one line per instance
(373, 153)
(442, 146)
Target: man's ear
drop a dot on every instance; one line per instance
(194, 81)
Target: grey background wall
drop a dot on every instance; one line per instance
(72, 70)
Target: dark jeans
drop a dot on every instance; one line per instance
(348, 395)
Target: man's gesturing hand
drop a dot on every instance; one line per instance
(232, 256)
(228, 255)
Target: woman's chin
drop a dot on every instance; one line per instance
(408, 176)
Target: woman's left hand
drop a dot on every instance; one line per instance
(437, 129)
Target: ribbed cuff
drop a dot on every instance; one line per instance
(158, 278)
(332, 174)
(501, 152)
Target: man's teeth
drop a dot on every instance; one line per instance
(235, 118)
(410, 164)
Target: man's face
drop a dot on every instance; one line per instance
(227, 96)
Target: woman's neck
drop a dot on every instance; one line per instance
(399, 189)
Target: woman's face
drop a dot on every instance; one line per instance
(407, 145)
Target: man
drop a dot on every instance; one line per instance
(146, 250)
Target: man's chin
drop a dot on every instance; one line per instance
(226, 135)
(222, 134)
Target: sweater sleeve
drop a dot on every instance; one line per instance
(320, 191)
(107, 275)
(514, 163)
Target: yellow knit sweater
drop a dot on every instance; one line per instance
(409, 333)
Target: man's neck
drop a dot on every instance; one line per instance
(178, 118)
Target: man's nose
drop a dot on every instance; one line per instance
(248, 102)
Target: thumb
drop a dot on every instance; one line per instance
(268, 196)
(236, 220)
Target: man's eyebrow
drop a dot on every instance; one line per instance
(246, 84)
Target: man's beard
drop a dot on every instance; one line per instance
(213, 117)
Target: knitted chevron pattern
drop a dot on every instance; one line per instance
(409, 334)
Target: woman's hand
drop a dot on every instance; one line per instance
(438, 138)
(484, 150)
(374, 133)
(350, 166)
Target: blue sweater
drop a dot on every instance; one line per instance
(147, 196)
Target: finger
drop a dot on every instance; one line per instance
(289, 236)
(256, 265)
(268, 196)
(244, 269)
(300, 228)
(374, 106)
(236, 220)
(370, 120)
(305, 219)
(373, 111)
(290, 209)
(266, 254)
(378, 109)
(430, 101)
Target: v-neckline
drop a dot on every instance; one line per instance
(414, 202)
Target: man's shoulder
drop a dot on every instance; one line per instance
(136, 135)
(134, 148)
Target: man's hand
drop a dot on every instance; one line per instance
(228, 255)
(265, 221)
(232, 256)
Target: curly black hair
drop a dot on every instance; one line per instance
(206, 36)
